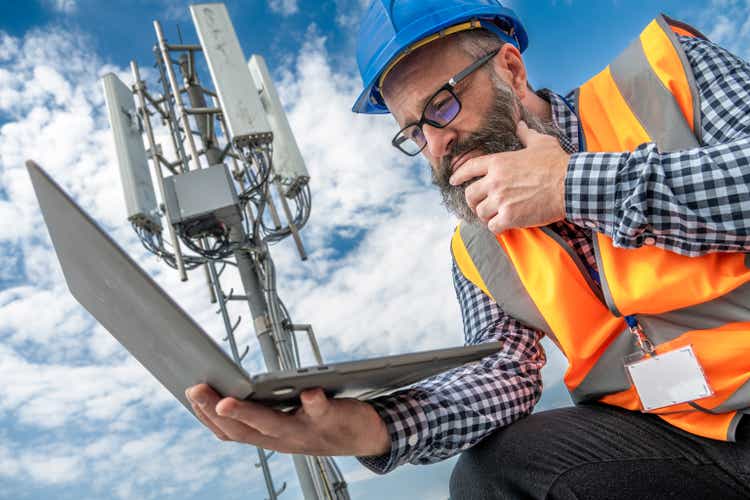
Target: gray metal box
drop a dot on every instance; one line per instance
(140, 199)
(287, 159)
(238, 96)
(199, 194)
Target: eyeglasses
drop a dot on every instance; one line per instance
(441, 109)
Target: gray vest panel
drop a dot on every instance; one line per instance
(651, 102)
(500, 276)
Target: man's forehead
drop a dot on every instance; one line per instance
(415, 78)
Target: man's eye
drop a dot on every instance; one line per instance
(439, 106)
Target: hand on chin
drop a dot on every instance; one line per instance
(523, 188)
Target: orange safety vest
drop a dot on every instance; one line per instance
(646, 95)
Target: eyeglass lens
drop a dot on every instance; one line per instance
(411, 140)
(442, 108)
(439, 112)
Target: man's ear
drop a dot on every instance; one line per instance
(509, 65)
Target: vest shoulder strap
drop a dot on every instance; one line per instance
(647, 94)
(683, 29)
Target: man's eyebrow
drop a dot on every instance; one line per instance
(423, 102)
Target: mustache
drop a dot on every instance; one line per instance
(492, 138)
(496, 134)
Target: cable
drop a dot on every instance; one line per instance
(155, 244)
(221, 248)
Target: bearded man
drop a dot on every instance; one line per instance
(615, 220)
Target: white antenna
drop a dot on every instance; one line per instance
(216, 193)
(140, 200)
(242, 109)
(287, 159)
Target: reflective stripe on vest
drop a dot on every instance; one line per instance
(646, 95)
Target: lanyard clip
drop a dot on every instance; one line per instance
(644, 342)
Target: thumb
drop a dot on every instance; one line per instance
(315, 403)
(523, 132)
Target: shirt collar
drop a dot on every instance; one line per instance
(564, 118)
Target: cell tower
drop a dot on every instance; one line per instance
(235, 161)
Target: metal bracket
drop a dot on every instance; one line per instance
(262, 324)
(134, 120)
(244, 353)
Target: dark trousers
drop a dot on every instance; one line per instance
(602, 452)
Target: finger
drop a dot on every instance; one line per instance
(475, 167)
(208, 423)
(499, 222)
(524, 133)
(476, 193)
(242, 433)
(488, 208)
(269, 422)
(315, 403)
(201, 393)
(206, 399)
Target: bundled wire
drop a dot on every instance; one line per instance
(213, 246)
(256, 178)
(301, 214)
(154, 243)
(280, 318)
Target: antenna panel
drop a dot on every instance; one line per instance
(238, 96)
(140, 199)
(287, 159)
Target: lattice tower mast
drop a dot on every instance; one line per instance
(235, 160)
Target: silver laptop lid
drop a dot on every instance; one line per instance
(129, 304)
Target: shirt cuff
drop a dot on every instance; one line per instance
(591, 190)
(408, 428)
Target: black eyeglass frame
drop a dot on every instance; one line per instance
(448, 86)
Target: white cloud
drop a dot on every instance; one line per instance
(52, 469)
(725, 22)
(9, 465)
(349, 13)
(284, 7)
(175, 10)
(63, 6)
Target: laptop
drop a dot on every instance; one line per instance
(175, 349)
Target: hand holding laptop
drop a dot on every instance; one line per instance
(181, 355)
(321, 426)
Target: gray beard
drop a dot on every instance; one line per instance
(496, 135)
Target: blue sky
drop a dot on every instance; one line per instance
(78, 417)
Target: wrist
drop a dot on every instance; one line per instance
(561, 188)
(377, 440)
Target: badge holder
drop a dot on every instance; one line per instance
(665, 379)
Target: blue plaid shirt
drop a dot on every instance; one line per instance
(690, 202)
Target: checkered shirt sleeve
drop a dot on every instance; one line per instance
(453, 411)
(690, 202)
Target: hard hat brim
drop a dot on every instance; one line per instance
(363, 104)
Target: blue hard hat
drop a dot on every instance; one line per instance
(391, 27)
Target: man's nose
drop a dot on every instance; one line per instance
(439, 140)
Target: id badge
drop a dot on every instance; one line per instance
(668, 379)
